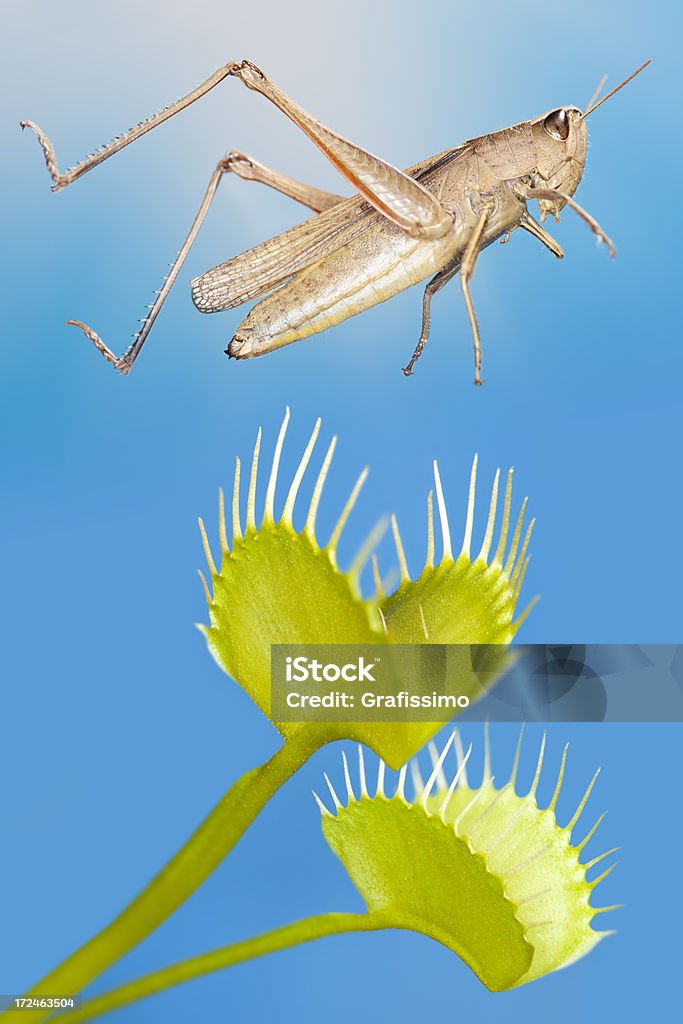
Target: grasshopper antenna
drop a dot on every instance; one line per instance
(594, 106)
(598, 90)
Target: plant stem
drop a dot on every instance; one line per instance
(184, 873)
(195, 967)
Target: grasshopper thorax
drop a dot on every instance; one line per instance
(560, 149)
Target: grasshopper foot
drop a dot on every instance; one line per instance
(58, 180)
(419, 349)
(605, 240)
(120, 363)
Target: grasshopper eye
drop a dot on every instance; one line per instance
(557, 125)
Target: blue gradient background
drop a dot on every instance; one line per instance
(119, 733)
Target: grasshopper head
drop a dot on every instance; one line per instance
(560, 146)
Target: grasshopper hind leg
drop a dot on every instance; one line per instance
(244, 167)
(434, 286)
(124, 363)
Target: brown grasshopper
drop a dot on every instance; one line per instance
(400, 228)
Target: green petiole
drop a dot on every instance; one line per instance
(289, 935)
(175, 883)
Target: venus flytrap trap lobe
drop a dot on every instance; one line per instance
(486, 872)
(466, 600)
(279, 585)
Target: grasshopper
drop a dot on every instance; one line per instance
(401, 227)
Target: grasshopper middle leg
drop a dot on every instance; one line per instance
(466, 270)
(527, 222)
(465, 265)
(434, 286)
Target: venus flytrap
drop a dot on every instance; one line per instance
(275, 584)
(485, 871)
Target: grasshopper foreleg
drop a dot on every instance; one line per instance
(558, 196)
(468, 264)
(534, 228)
(247, 169)
(434, 286)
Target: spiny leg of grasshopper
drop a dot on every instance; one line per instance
(558, 196)
(124, 363)
(399, 197)
(60, 180)
(434, 286)
(247, 169)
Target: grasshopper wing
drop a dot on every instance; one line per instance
(258, 270)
